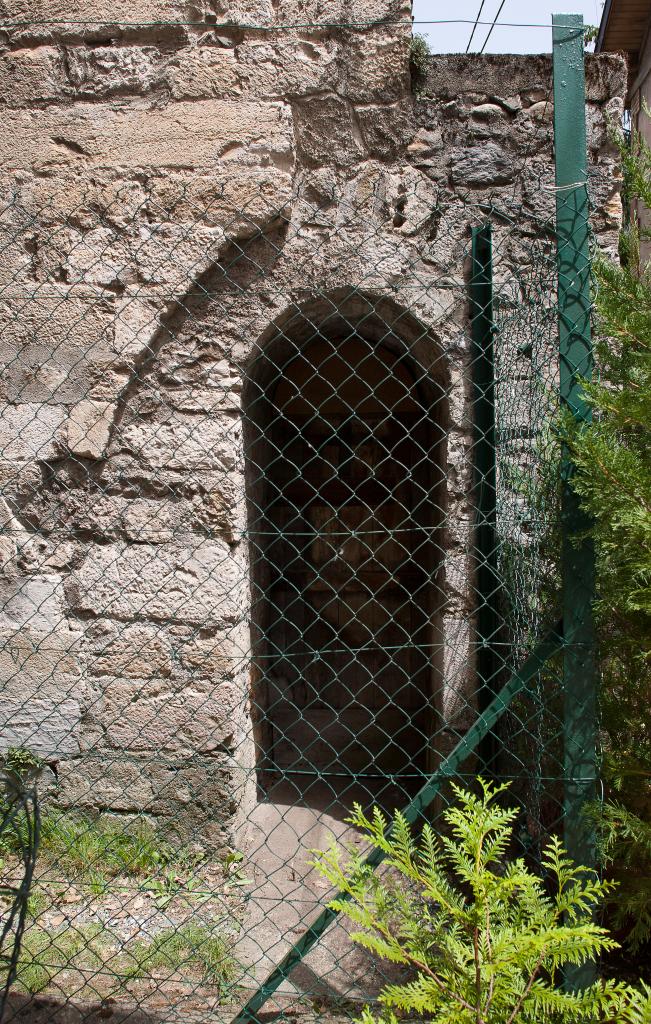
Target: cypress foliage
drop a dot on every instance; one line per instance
(613, 478)
(483, 940)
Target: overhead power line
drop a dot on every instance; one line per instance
(494, 23)
(474, 27)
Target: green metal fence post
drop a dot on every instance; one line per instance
(483, 369)
(575, 351)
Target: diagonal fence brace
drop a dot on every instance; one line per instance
(551, 645)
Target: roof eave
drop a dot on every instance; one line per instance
(603, 26)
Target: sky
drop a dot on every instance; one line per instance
(453, 38)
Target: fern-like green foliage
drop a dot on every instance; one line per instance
(484, 938)
(613, 479)
(625, 845)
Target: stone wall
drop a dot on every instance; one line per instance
(171, 193)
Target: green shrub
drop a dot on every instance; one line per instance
(625, 847)
(485, 939)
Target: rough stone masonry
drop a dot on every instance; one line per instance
(173, 192)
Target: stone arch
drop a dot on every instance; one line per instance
(345, 424)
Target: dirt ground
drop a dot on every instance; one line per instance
(263, 908)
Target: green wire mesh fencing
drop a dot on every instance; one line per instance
(280, 521)
(271, 569)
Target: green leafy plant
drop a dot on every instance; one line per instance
(38, 901)
(485, 939)
(21, 763)
(590, 34)
(19, 772)
(173, 883)
(234, 872)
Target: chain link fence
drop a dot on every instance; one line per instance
(280, 520)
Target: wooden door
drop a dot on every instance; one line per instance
(348, 567)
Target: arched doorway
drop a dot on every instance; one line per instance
(346, 502)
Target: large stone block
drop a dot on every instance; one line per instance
(132, 650)
(211, 503)
(605, 76)
(458, 698)
(32, 202)
(142, 650)
(451, 75)
(203, 583)
(170, 255)
(482, 165)
(239, 199)
(35, 602)
(138, 321)
(108, 11)
(157, 520)
(142, 716)
(51, 341)
(30, 431)
(205, 72)
(16, 238)
(199, 800)
(376, 66)
(30, 75)
(88, 428)
(39, 699)
(386, 130)
(289, 67)
(110, 70)
(183, 134)
(185, 442)
(358, 13)
(215, 656)
(326, 132)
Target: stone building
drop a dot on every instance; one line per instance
(625, 29)
(235, 254)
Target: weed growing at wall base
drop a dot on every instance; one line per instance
(97, 849)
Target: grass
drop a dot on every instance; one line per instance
(191, 947)
(38, 901)
(94, 849)
(80, 844)
(89, 948)
(46, 952)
